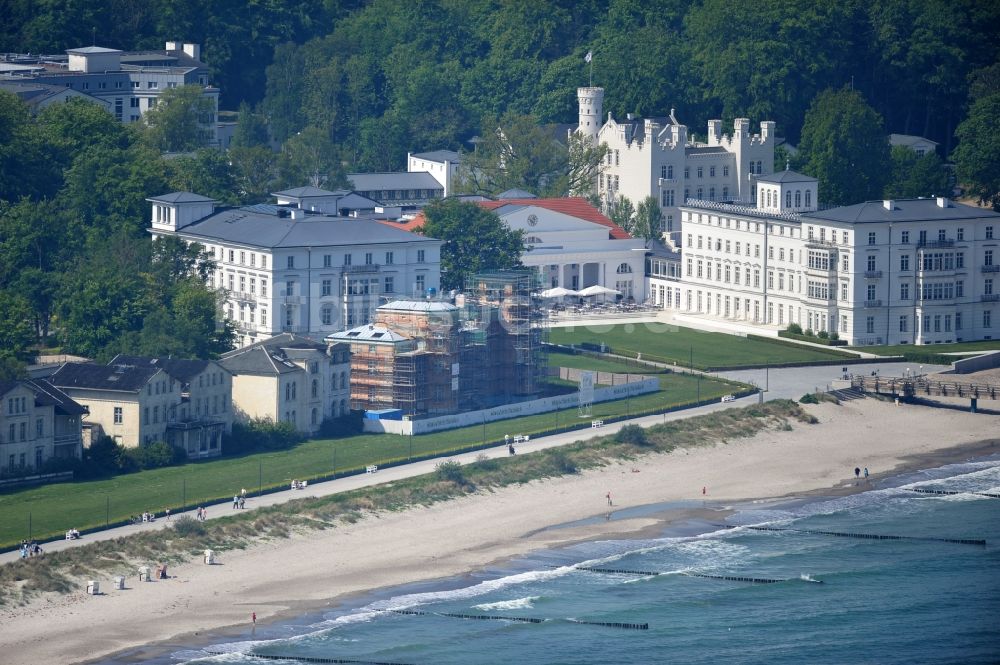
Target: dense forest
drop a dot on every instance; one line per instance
(346, 85)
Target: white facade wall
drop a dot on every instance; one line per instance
(662, 161)
(866, 281)
(26, 430)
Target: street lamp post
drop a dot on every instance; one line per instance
(260, 477)
(184, 494)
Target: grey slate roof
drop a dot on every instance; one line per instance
(515, 194)
(439, 156)
(786, 176)
(704, 149)
(418, 306)
(119, 378)
(659, 250)
(92, 49)
(180, 197)
(307, 192)
(368, 333)
(46, 393)
(368, 182)
(904, 210)
(255, 228)
(269, 357)
(908, 140)
(181, 369)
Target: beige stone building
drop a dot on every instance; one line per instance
(289, 378)
(38, 422)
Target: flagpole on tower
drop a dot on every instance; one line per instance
(590, 61)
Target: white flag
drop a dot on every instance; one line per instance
(589, 56)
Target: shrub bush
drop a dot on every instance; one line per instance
(260, 434)
(822, 334)
(347, 425)
(562, 462)
(809, 398)
(834, 336)
(794, 328)
(452, 472)
(633, 434)
(186, 525)
(809, 333)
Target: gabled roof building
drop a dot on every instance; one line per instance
(288, 268)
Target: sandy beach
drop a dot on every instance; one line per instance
(312, 570)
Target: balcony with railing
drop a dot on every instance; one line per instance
(869, 304)
(364, 267)
(873, 274)
(66, 439)
(990, 297)
(931, 244)
(243, 295)
(990, 268)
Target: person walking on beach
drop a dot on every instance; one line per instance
(608, 495)
(253, 618)
(866, 473)
(236, 502)
(243, 503)
(510, 448)
(857, 472)
(167, 511)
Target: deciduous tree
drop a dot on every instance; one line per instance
(977, 156)
(845, 146)
(475, 240)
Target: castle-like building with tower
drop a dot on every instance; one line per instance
(658, 157)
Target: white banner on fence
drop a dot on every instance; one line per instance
(517, 410)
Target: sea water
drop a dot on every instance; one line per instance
(914, 600)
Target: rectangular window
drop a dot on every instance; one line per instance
(369, 258)
(871, 237)
(904, 291)
(989, 233)
(987, 317)
(905, 239)
(904, 262)
(958, 320)
(389, 285)
(326, 287)
(119, 418)
(421, 283)
(870, 325)
(327, 260)
(420, 256)
(291, 261)
(871, 262)
(388, 258)
(904, 323)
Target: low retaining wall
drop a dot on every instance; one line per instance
(558, 403)
(989, 360)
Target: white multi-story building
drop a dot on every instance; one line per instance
(441, 164)
(657, 157)
(127, 83)
(915, 271)
(286, 269)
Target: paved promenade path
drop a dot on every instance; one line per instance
(790, 383)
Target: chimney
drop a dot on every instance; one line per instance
(714, 131)
(887, 204)
(942, 202)
(173, 46)
(193, 51)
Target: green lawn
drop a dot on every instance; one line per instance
(598, 364)
(957, 347)
(55, 508)
(671, 344)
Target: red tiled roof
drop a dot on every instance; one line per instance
(573, 206)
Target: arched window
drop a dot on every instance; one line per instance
(343, 379)
(808, 198)
(798, 198)
(532, 240)
(288, 392)
(312, 417)
(788, 199)
(711, 193)
(294, 390)
(315, 388)
(701, 193)
(624, 268)
(768, 198)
